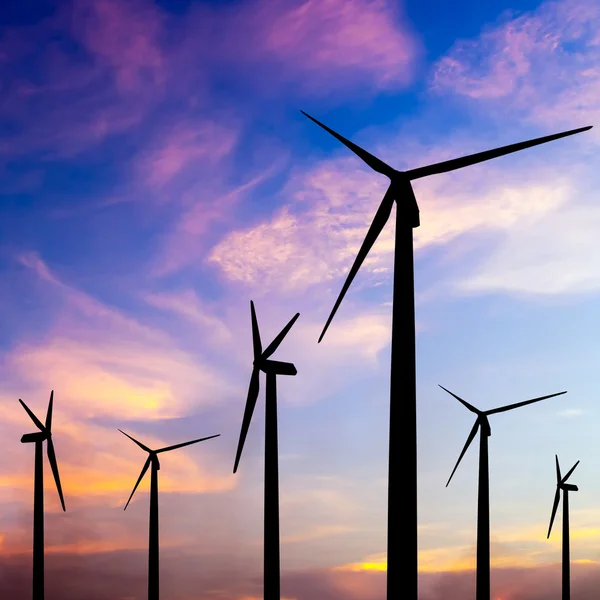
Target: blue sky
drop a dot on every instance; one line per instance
(158, 175)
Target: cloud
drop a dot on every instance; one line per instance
(315, 48)
(207, 209)
(124, 37)
(355, 40)
(554, 255)
(118, 364)
(188, 305)
(572, 412)
(314, 238)
(543, 64)
(182, 147)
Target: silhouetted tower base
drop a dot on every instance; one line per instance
(271, 505)
(402, 540)
(483, 522)
(566, 557)
(153, 572)
(38, 524)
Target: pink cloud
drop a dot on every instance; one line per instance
(197, 144)
(188, 240)
(543, 63)
(126, 36)
(137, 57)
(329, 43)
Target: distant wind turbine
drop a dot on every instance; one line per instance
(153, 565)
(272, 368)
(38, 438)
(402, 543)
(566, 559)
(483, 497)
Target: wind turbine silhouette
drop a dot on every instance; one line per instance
(272, 368)
(402, 543)
(38, 438)
(566, 559)
(483, 496)
(153, 566)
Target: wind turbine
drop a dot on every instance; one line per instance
(483, 496)
(402, 543)
(38, 438)
(272, 368)
(566, 559)
(153, 570)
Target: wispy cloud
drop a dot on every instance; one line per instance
(314, 238)
(543, 64)
(117, 363)
(355, 40)
(184, 146)
(572, 412)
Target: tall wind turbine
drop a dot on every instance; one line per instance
(483, 496)
(153, 566)
(566, 559)
(402, 543)
(38, 438)
(272, 368)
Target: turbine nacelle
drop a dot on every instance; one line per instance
(278, 368)
(484, 424)
(38, 436)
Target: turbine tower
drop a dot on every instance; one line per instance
(153, 565)
(402, 543)
(38, 438)
(483, 497)
(272, 368)
(561, 484)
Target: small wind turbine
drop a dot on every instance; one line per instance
(38, 438)
(153, 567)
(402, 544)
(566, 559)
(483, 496)
(272, 368)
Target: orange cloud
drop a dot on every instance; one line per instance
(374, 562)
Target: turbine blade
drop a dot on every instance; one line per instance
(569, 473)
(37, 422)
(54, 466)
(464, 402)
(255, 333)
(556, 501)
(250, 404)
(518, 404)
(186, 443)
(375, 163)
(144, 469)
(275, 343)
(467, 444)
(381, 217)
(49, 412)
(558, 475)
(471, 159)
(138, 443)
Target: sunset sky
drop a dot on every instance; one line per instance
(157, 175)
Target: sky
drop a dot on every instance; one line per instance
(157, 175)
